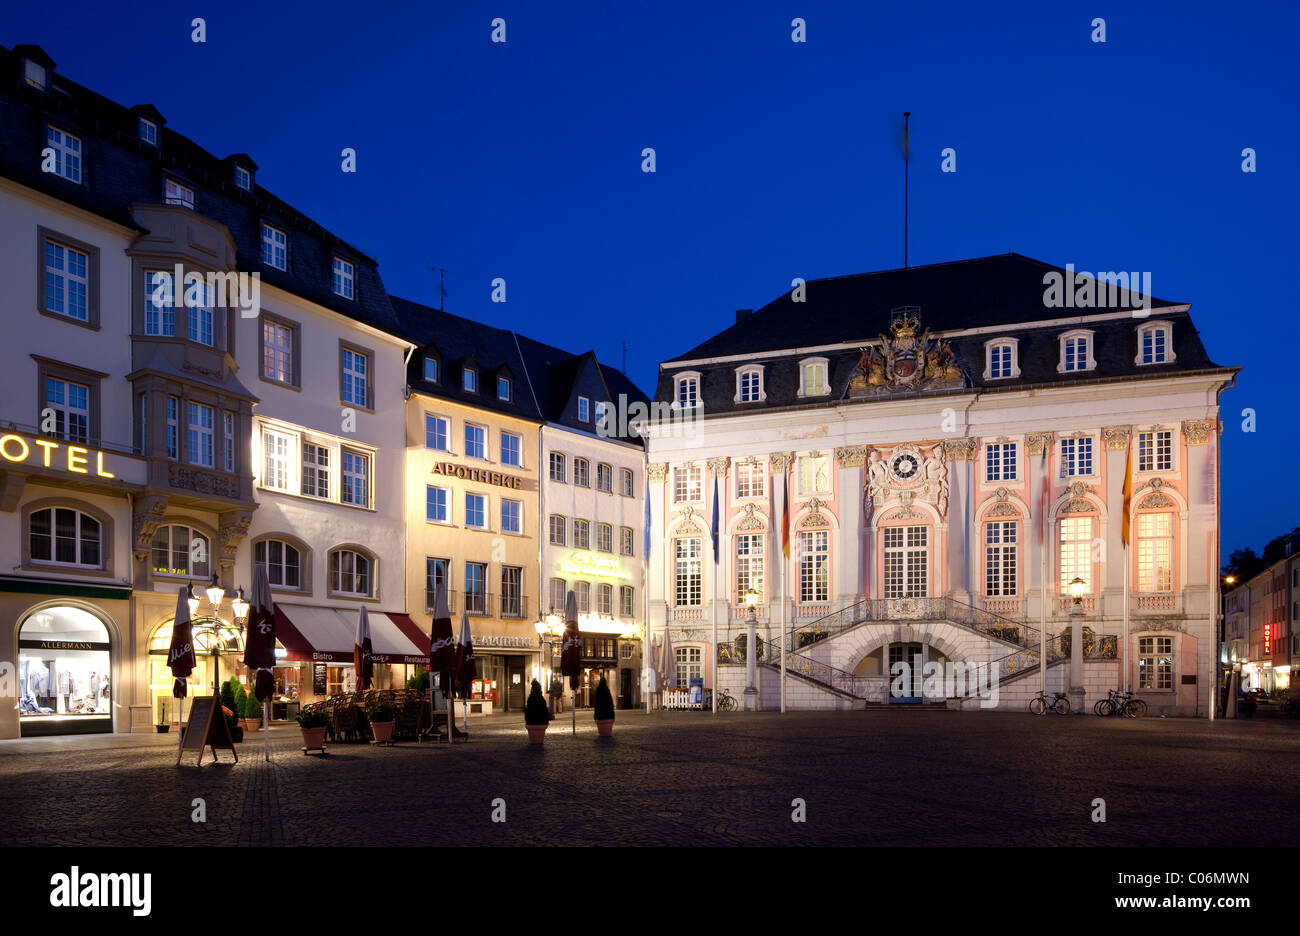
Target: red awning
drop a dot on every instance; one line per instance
(326, 635)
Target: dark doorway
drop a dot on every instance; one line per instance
(514, 683)
(625, 688)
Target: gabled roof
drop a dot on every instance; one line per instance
(560, 377)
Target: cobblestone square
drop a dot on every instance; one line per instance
(879, 778)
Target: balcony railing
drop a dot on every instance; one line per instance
(1087, 602)
(1169, 603)
(514, 606)
(428, 601)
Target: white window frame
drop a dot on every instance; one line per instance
(280, 352)
(68, 149)
(688, 484)
(437, 368)
(431, 500)
(191, 571)
(507, 384)
(582, 476)
(172, 410)
(605, 538)
(335, 585)
(751, 556)
(1155, 553)
(69, 283)
(316, 469)
(584, 409)
(270, 454)
(67, 410)
(627, 482)
(608, 485)
(818, 460)
(626, 541)
(998, 343)
(482, 442)
(200, 437)
(557, 468)
(905, 561)
(812, 364)
(159, 319)
(275, 247)
(518, 527)
(477, 504)
(283, 566)
(148, 131)
(228, 440)
(366, 477)
(557, 532)
(690, 665)
(439, 422)
(1001, 559)
(360, 383)
(517, 448)
(688, 572)
(79, 539)
(1170, 456)
(581, 533)
(1156, 667)
(1146, 328)
(469, 379)
(1089, 361)
(1070, 462)
(814, 576)
(627, 608)
(691, 382)
(1003, 474)
(1074, 537)
(344, 278)
(605, 599)
(751, 480)
(243, 178)
(759, 390)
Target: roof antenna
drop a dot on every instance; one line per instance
(442, 289)
(625, 357)
(906, 157)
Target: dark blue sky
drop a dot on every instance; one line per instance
(775, 159)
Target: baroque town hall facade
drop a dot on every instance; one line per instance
(952, 453)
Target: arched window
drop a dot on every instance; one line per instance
(1000, 359)
(1155, 344)
(351, 573)
(605, 599)
(1001, 542)
(283, 562)
(749, 384)
(181, 550)
(1075, 538)
(582, 593)
(63, 536)
(1155, 552)
(1076, 352)
(814, 377)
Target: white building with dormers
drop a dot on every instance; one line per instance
(940, 438)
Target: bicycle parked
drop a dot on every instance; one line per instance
(1040, 705)
(726, 701)
(1123, 704)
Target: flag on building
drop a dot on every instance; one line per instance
(645, 547)
(785, 518)
(714, 528)
(1128, 497)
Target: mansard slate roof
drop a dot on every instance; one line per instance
(118, 169)
(560, 377)
(1002, 295)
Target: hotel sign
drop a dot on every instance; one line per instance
(582, 563)
(480, 475)
(47, 454)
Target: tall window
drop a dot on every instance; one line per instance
(66, 537)
(431, 369)
(1076, 552)
(469, 379)
(356, 370)
(1076, 457)
(1155, 549)
(688, 391)
(626, 605)
(511, 516)
(1000, 462)
(749, 564)
(435, 574)
(1001, 360)
(557, 467)
(173, 427)
(475, 441)
(512, 591)
(749, 385)
(751, 480)
(605, 478)
(476, 587)
(907, 553)
(159, 304)
(228, 440)
(1074, 353)
(181, 550)
(199, 427)
(274, 247)
(356, 479)
(605, 599)
(277, 469)
(814, 566)
(689, 572)
(581, 534)
(813, 379)
(814, 474)
(71, 404)
(559, 593)
(1156, 662)
(435, 433)
(148, 131)
(604, 538)
(277, 351)
(690, 665)
(582, 592)
(350, 573)
(1153, 345)
(1156, 450)
(558, 527)
(283, 563)
(67, 153)
(197, 297)
(475, 511)
(1000, 559)
(67, 281)
(626, 482)
(435, 504)
(688, 484)
(510, 447)
(345, 275)
(315, 470)
(625, 541)
(503, 388)
(584, 409)
(582, 472)
(243, 178)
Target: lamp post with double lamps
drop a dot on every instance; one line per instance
(751, 655)
(548, 629)
(1077, 588)
(239, 606)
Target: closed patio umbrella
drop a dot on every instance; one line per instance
(362, 660)
(180, 657)
(465, 664)
(259, 650)
(442, 651)
(571, 652)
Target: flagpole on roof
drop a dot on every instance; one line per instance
(907, 115)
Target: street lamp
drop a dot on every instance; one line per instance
(1077, 588)
(240, 607)
(192, 601)
(215, 592)
(751, 662)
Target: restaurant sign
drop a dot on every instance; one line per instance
(478, 475)
(583, 563)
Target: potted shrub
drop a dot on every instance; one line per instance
(252, 713)
(536, 715)
(313, 723)
(381, 716)
(604, 709)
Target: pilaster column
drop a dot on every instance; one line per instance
(958, 510)
(720, 571)
(658, 560)
(1201, 479)
(1038, 591)
(849, 550)
(1117, 440)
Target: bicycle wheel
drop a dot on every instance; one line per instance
(1105, 707)
(1096, 706)
(1036, 705)
(1061, 707)
(1136, 708)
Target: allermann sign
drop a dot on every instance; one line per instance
(479, 475)
(74, 458)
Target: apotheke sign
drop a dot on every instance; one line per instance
(480, 475)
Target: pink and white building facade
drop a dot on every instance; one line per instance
(951, 454)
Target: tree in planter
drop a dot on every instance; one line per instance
(420, 681)
(536, 714)
(604, 709)
(231, 699)
(252, 707)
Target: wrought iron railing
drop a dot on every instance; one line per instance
(869, 610)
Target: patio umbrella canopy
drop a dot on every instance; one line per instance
(362, 653)
(259, 650)
(465, 658)
(180, 655)
(571, 653)
(442, 650)
(668, 663)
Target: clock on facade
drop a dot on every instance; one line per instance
(904, 466)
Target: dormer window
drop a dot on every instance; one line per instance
(749, 384)
(243, 178)
(1076, 352)
(149, 132)
(344, 278)
(584, 409)
(176, 194)
(34, 73)
(274, 247)
(813, 377)
(503, 388)
(686, 393)
(67, 153)
(430, 369)
(1155, 344)
(1001, 359)
(469, 379)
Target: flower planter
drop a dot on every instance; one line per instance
(605, 726)
(383, 732)
(313, 739)
(163, 729)
(251, 724)
(536, 734)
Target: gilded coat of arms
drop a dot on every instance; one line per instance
(905, 360)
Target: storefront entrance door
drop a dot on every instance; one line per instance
(515, 683)
(909, 653)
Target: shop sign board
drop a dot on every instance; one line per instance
(206, 727)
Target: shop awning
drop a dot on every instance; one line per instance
(327, 635)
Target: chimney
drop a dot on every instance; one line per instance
(742, 314)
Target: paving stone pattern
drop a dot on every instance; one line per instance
(913, 777)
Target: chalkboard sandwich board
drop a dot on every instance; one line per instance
(206, 726)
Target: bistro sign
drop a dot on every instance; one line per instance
(480, 475)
